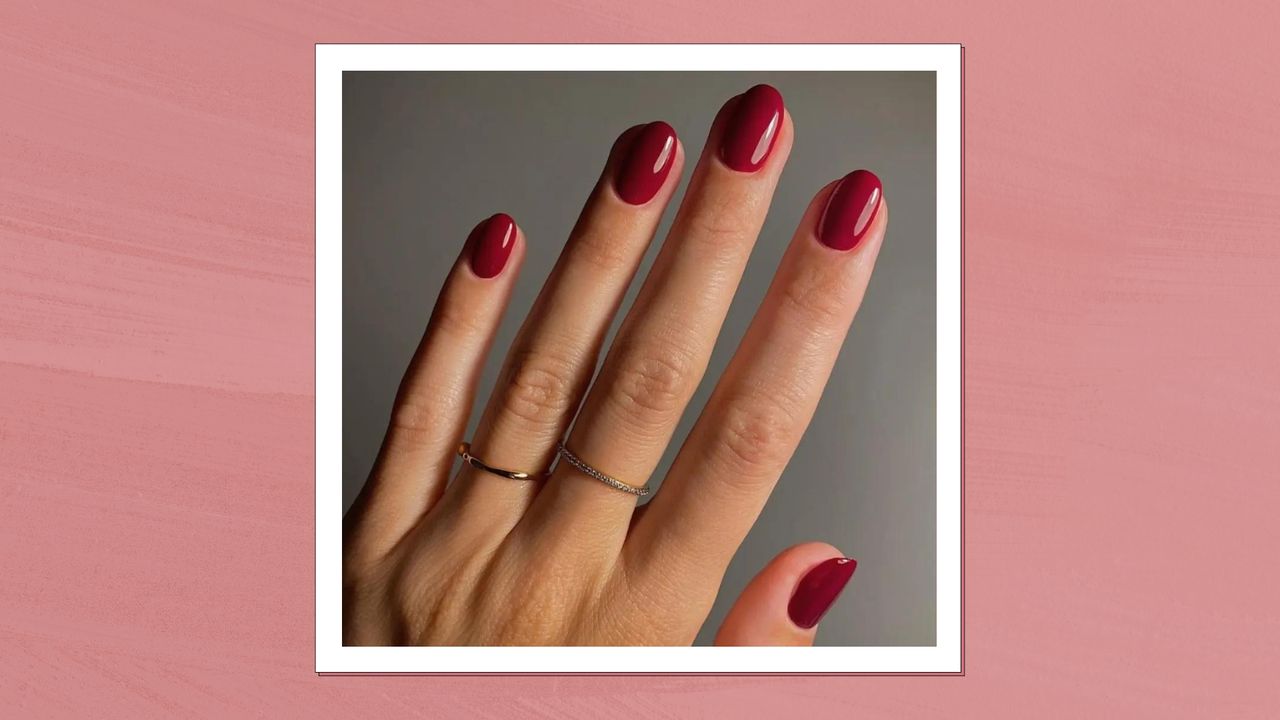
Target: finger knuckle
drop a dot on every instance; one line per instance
(539, 387)
(719, 221)
(421, 412)
(653, 383)
(757, 435)
(600, 249)
(454, 319)
(818, 295)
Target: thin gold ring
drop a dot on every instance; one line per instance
(464, 451)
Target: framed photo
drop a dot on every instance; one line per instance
(406, 136)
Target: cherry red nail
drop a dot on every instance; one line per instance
(647, 164)
(850, 210)
(818, 591)
(751, 132)
(492, 245)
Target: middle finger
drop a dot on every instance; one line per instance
(665, 342)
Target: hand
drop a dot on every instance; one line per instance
(567, 559)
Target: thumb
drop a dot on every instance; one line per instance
(783, 604)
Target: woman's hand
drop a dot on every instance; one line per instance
(567, 559)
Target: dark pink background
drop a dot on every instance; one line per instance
(156, 387)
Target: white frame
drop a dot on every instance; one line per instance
(332, 656)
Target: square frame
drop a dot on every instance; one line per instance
(946, 657)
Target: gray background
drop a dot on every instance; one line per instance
(427, 155)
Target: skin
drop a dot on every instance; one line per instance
(484, 560)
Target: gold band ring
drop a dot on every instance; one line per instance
(464, 451)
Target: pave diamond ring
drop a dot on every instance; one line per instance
(586, 469)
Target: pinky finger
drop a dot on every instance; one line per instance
(435, 396)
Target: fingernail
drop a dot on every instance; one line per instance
(818, 591)
(493, 244)
(850, 210)
(648, 162)
(750, 134)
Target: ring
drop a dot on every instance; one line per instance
(586, 469)
(464, 451)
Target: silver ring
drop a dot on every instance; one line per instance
(586, 469)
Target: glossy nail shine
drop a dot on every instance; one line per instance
(818, 590)
(647, 164)
(492, 245)
(850, 210)
(752, 131)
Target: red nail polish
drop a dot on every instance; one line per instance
(850, 210)
(818, 591)
(648, 162)
(751, 132)
(492, 245)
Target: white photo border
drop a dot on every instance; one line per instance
(333, 657)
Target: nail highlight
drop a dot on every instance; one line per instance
(647, 164)
(850, 210)
(818, 591)
(492, 245)
(751, 132)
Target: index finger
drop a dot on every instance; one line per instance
(753, 422)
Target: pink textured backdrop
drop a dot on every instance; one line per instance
(1123, 349)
